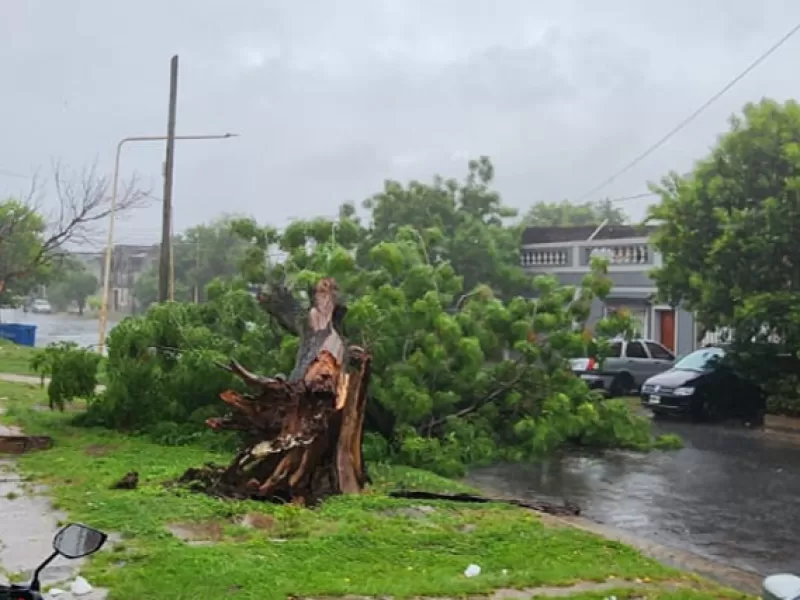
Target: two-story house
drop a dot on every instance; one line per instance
(566, 253)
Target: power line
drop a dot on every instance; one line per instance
(634, 197)
(693, 116)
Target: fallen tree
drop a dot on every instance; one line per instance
(303, 435)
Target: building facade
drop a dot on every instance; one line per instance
(566, 253)
(128, 262)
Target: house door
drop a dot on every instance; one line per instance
(666, 328)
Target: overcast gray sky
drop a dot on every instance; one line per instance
(333, 97)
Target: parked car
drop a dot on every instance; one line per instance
(41, 306)
(703, 386)
(626, 368)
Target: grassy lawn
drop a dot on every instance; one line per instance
(15, 359)
(367, 545)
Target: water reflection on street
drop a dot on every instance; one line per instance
(84, 331)
(730, 494)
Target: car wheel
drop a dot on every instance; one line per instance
(703, 409)
(659, 414)
(621, 385)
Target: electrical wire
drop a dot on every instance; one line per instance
(693, 116)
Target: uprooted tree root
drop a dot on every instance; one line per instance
(303, 434)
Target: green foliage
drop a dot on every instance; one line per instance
(22, 231)
(201, 254)
(728, 234)
(464, 371)
(72, 371)
(163, 371)
(567, 214)
(73, 284)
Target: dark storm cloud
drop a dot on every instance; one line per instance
(331, 98)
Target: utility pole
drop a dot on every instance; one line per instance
(197, 272)
(169, 163)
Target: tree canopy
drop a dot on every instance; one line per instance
(464, 370)
(201, 254)
(565, 214)
(729, 230)
(22, 231)
(34, 240)
(73, 283)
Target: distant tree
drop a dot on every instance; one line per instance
(463, 222)
(22, 238)
(33, 241)
(77, 285)
(565, 214)
(201, 254)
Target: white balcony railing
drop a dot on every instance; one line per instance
(546, 258)
(620, 254)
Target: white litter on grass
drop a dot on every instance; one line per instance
(56, 592)
(472, 571)
(80, 587)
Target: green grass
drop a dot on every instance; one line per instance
(367, 545)
(15, 359)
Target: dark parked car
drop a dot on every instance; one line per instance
(704, 386)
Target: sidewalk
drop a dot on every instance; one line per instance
(32, 380)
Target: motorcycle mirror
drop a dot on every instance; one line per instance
(76, 541)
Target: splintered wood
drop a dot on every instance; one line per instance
(303, 435)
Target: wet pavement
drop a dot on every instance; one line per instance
(84, 331)
(730, 494)
(27, 527)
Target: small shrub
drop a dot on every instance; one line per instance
(72, 371)
(783, 395)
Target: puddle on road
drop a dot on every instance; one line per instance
(728, 495)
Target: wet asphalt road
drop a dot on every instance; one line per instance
(730, 494)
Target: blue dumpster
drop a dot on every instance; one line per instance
(24, 335)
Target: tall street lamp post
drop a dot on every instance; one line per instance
(111, 218)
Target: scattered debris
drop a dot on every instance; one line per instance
(568, 509)
(129, 482)
(258, 521)
(80, 587)
(197, 534)
(472, 571)
(18, 443)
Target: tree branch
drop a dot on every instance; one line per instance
(501, 389)
(82, 200)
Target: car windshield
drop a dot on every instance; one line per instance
(701, 360)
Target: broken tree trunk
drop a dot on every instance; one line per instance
(303, 435)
